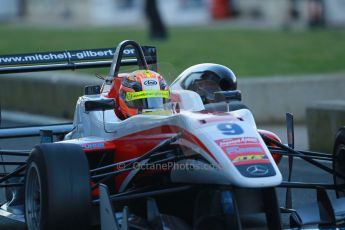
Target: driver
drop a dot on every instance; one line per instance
(143, 91)
(207, 78)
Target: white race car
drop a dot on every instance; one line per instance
(202, 164)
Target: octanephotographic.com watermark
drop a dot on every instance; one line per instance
(174, 166)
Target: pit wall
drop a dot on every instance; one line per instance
(269, 98)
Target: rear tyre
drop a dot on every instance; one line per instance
(339, 160)
(57, 188)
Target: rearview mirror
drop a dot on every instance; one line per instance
(99, 105)
(231, 95)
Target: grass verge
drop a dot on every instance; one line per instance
(247, 52)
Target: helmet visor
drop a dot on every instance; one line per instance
(148, 99)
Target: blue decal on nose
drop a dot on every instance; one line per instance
(230, 129)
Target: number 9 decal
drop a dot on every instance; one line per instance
(230, 129)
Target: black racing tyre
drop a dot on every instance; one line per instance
(339, 159)
(57, 188)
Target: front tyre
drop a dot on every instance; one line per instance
(57, 188)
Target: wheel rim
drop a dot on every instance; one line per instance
(339, 166)
(33, 198)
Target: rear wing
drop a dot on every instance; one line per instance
(73, 59)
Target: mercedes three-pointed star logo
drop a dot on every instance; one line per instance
(257, 170)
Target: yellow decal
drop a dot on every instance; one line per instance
(249, 157)
(130, 96)
(147, 73)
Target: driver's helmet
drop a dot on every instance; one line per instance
(207, 78)
(143, 91)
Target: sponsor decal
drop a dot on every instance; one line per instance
(230, 129)
(257, 170)
(93, 146)
(72, 55)
(236, 141)
(248, 157)
(150, 82)
(130, 96)
(243, 150)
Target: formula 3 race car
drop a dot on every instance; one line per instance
(201, 166)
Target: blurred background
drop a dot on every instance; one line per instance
(270, 13)
(254, 38)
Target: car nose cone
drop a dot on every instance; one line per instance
(257, 170)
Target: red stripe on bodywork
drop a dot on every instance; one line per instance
(146, 142)
(139, 143)
(248, 162)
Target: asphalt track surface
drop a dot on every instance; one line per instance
(302, 171)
